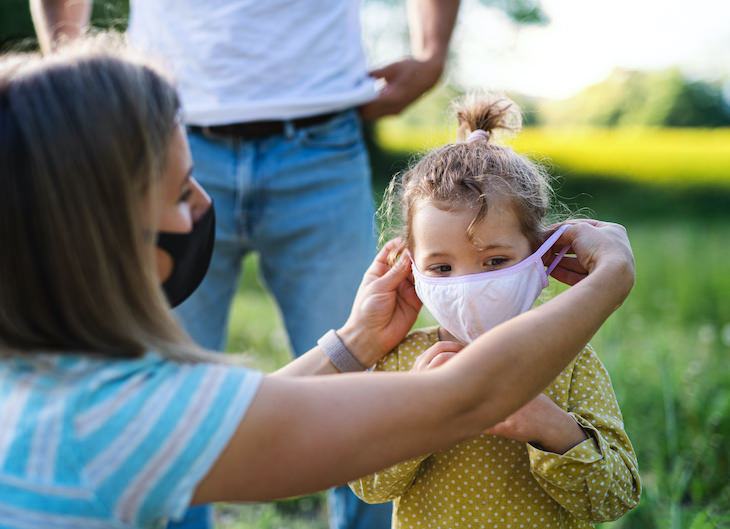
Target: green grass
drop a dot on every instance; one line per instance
(667, 349)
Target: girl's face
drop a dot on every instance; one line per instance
(442, 249)
(182, 199)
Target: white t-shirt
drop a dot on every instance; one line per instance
(248, 60)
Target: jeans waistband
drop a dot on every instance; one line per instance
(251, 130)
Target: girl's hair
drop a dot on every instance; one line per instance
(473, 174)
(83, 137)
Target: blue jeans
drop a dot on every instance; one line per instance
(303, 201)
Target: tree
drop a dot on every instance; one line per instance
(656, 98)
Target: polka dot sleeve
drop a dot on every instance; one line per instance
(597, 480)
(393, 482)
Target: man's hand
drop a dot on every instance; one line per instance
(430, 23)
(405, 81)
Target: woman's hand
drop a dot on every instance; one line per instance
(594, 244)
(544, 423)
(436, 355)
(385, 308)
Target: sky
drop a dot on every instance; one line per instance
(584, 41)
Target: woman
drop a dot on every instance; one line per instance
(112, 416)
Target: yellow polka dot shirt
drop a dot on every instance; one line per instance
(495, 482)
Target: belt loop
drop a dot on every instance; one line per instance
(289, 129)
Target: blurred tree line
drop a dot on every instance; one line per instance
(664, 98)
(661, 98)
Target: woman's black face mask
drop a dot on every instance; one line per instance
(191, 253)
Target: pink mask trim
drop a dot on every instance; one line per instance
(533, 259)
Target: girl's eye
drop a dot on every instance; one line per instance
(441, 269)
(496, 261)
(186, 195)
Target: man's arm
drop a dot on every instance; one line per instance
(431, 23)
(59, 20)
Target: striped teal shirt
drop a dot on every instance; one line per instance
(99, 443)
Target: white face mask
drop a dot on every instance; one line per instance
(470, 305)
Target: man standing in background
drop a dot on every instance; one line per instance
(272, 93)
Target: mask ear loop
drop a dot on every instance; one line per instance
(407, 253)
(557, 259)
(548, 244)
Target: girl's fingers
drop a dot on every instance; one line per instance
(425, 358)
(440, 359)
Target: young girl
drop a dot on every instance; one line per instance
(474, 216)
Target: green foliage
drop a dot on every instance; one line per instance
(16, 25)
(637, 98)
(273, 516)
(16, 28)
(521, 11)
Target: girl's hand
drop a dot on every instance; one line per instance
(541, 422)
(436, 355)
(385, 308)
(595, 244)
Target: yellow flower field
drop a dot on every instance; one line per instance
(679, 157)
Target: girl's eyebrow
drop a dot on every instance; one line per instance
(436, 254)
(498, 245)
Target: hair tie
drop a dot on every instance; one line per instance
(478, 135)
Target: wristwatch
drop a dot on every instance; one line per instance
(338, 353)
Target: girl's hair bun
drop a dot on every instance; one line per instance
(487, 112)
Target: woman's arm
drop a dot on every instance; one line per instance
(302, 434)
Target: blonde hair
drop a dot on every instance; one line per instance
(83, 137)
(472, 174)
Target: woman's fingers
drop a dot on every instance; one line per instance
(568, 270)
(407, 292)
(567, 276)
(570, 262)
(592, 242)
(382, 262)
(392, 278)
